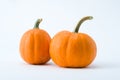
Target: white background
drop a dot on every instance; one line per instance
(18, 16)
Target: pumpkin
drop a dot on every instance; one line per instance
(34, 45)
(73, 49)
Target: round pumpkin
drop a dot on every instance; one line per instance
(73, 49)
(34, 45)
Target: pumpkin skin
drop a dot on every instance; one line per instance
(72, 49)
(34, 45)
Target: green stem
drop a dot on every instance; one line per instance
(37, 23)
(81, 21)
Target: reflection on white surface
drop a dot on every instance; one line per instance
(20, 70)
(17, 16)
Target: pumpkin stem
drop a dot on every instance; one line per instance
(81, 21)
(37, 23)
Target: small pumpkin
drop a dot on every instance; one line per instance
(73, 49)
(34, 45)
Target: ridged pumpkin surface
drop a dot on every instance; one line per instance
(69, 49)
(34, 46)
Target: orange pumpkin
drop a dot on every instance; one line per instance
(34, 45)
(73, 49)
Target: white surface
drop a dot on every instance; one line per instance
(18, 16)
